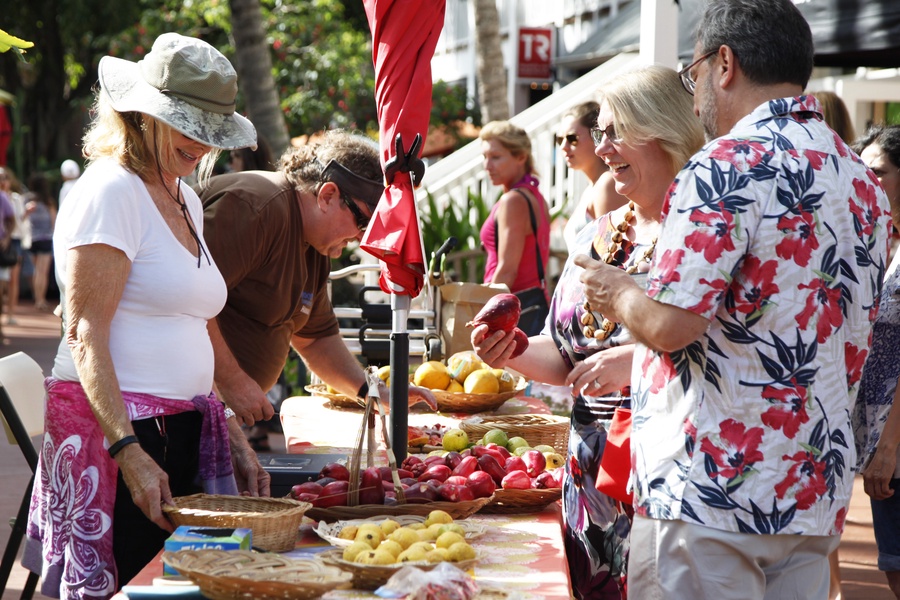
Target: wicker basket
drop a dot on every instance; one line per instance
(550, 430)
(330, 531)
(337, 400)
(244, 575)
(460, 402)
(520, 502)
(457, 510)
(274, 521)
(369, 577)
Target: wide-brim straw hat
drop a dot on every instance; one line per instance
(185, 83)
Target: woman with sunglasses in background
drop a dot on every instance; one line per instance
(574, 141)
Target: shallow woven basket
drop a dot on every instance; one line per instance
(369, 577)
(457, 510)
(460, 402)
(537, 429)
(241, 574)
(520, 502)
(337, 400)
(330, 531)
(274, 521)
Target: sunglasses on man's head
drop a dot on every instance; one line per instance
(570, 138)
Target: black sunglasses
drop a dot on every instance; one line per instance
(610, 132)
(571, 138)
(686, 80)
(362, 221)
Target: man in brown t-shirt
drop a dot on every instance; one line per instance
(273, 236)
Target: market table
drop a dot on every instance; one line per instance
(521, 555)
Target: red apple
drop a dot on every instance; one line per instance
(306, 497)
(456, 493)
(516, 480)
(481, 484)
(333, 494)
(515, 463)
(497, 448)
(336, 470)
(421, 493)
(307, 487)
(545, 480)
(323, 481)
(492, 467)
(466, 466)
(456, 480)
(535, 462)
(439, 472)
(434, 459)
(452, 459)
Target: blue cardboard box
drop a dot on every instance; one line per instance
(190, 537)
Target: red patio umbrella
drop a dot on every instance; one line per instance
(404, 35)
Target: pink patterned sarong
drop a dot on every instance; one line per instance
(69, 537)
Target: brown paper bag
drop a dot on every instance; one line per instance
(460, 302)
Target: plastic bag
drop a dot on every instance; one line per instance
(444, 582)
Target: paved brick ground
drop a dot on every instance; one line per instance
(38, 335)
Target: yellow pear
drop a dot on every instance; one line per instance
(388, 526)
(348, 532)
(404, 536)
(434, 556)
(460, 551)
(365, 557)
(351, 551)
(438, 516)
(391, 546)
(412, 555)
(370, 534)
(448, 538)
(382, 557)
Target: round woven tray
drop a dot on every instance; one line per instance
(457, 510)
(369, 577)
(460, 402)
(274, 521)
(337, 400)
(329, 531)
(519, 502)
(537, 429)
(245, 575)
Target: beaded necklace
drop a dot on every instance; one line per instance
(588, 320)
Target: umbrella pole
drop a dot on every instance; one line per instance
(399, 375)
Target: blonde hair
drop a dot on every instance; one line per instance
(137, 141)
(649, 104)
(513, 138)
(836, 115)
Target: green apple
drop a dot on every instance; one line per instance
(521, 450)
(455, 440)
(496, 436)
(516, 442)
(544, 448)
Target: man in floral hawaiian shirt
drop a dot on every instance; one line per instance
(754, 327)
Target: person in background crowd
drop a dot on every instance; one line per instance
(753, 327)
(21, 238)
(70, 172)
(273, 236)
(7, 224)
(876, 423)
(41, 213)
(516, 235)
(836, 115)
(655, 138)
(130, 417)
(574, 141)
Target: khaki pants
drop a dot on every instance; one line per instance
(672, 560)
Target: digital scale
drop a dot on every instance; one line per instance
(287, 470)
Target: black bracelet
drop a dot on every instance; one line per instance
(363, 390)
(117, 447)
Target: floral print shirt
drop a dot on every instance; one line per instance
(778, 234)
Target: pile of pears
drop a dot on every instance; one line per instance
(388, 542)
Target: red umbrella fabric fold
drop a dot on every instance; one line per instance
(405, 34)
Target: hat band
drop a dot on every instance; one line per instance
(359, 187)
(222, 108)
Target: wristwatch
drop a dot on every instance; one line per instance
(229, 413)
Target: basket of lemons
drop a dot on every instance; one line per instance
(464, 384)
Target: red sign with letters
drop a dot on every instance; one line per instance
(535, 52)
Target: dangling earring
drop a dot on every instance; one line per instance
(143, 124)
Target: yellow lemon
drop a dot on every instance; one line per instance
(384, 373)
(438, 516)
(432, 375)
(448, 538)
(507, 381)
(353, 550)
(391, 546)
(462, 364)
(482, 381)
(460, 551)
(404, 536)
(455, 387)
(389, 526)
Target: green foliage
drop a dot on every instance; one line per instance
(463, 223)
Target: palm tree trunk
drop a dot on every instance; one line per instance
(254, 67)
(490, 69)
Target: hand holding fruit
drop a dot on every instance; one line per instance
(499, 315)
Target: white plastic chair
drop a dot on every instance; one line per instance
(22, 408)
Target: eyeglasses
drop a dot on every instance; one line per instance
(686, 80)
(362, 221)
(610, 133)
(570, 138)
